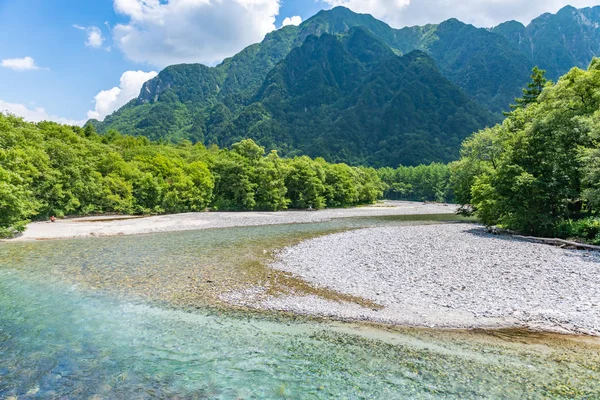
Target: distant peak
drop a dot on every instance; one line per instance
(567, 8)
(512, 23)
(566, 11)
(451, 24)
(341, 9)
(452, 21)
(509, 27)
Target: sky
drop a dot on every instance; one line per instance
(71, 60)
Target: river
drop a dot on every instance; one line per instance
(139, 317)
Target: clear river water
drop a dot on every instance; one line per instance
(132, 317)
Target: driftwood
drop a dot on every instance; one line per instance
(551, 241)
(560, 242)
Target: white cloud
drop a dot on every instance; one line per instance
(111, 100)
(295, 20)
(35, 115)
(483, 13)
(20, 64)
(94, 35)
(165, 32)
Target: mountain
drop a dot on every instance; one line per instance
(481, 63)
(352, 98)
(557, 42)
(473, 72)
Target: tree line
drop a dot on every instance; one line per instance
(48, 169)
(421, 183)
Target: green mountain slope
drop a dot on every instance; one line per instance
(352, 98)
(236, 99)
(557, 42)
(484, 65)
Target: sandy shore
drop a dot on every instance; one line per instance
(455, 276)
(112, 226)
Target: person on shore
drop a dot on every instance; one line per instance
(53, 219)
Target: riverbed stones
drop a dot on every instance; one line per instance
(111, 226)
(456, 275)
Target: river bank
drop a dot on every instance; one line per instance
(447, 276)
(363, 264)
(129, 225)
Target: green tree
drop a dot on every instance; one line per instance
(531, 172)
(533, 89)
(234, 186)
(270, 184)
(370, 187)
(305, 183)
(17, 204)
(341, 186)
(421, 183)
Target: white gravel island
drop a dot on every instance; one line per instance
(455, 276)
(129, 225)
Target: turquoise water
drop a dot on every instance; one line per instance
(60, 338)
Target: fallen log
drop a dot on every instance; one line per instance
(559, 242)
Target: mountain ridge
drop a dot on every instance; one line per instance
(207, 104)
(547, 40)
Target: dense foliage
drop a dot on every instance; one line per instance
(420, 183)
(533, 90)
(50, 169)
(539, 171)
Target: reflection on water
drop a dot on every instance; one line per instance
(63, 340)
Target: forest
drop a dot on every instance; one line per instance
(421, 183)
(538, 172)
(48, 169)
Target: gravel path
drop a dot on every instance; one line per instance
(112, 226)
(447, 275)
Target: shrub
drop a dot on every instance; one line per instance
(587, 229)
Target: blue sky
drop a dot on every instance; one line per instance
(68, 60)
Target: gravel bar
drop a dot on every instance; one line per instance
(454, 275)
(123, 225)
